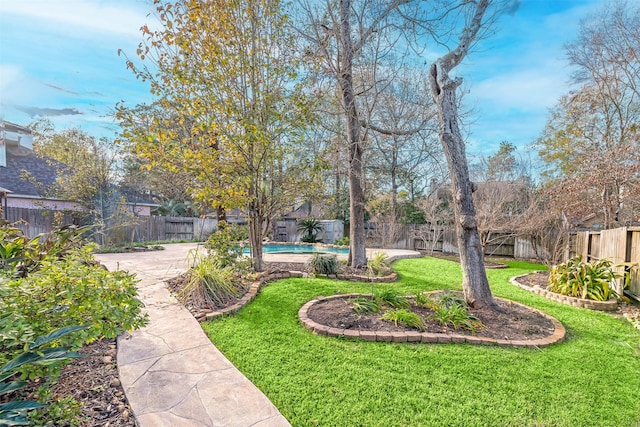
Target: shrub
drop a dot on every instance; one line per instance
(324, 264)
(342, 242)
(211, 281)
(404, 317)
(587, 280)
(378, 265)
(228, 242)
(66, 292)
(23, 256)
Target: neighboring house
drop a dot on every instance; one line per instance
(286, 228)
(18, 158)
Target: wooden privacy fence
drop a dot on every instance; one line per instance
(39, 221)
(140, 229)
(153, 228)
(427, 238)
(620, 245)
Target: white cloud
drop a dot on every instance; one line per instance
(525, 90)
(116, 17)
(9, 74)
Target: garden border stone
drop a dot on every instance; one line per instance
(557, 336)
(610, 305)
(267, 277)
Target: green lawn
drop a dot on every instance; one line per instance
(592, 379)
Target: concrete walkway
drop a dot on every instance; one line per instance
(171, 372)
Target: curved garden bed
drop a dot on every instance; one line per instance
(372, 331)
(610, 305)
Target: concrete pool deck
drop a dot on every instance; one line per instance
(392, 254)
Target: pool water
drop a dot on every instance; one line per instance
(300, 249)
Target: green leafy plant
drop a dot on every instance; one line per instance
(449, 299)
(364, 305)
(24, 256)
(344, 241)
(211, 281)
(12, 246)
(587, 280)
(391, 297)
(310, 227)
(58, 412)
(423, 299)
(37, 353)
(404, 317)
(450, 309)
(324, 264)
(378, 265)
(228, 242)
(66, 292)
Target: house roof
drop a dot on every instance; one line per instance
(20, 159)
(13, 127)
(306, 210)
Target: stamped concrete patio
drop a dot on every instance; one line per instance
(171, 372)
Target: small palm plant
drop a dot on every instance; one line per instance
(309, 228)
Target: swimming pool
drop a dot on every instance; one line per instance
(300, 249)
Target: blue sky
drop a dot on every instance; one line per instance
(58, 58)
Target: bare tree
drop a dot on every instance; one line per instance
(338, 37)
(437, 215)
(499, 208)
(592, 141)
(399, 159)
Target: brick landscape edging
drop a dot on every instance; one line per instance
(611, 305)
(426, 337)
(253, 291)
(255, 287)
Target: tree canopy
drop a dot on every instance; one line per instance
(231, 110)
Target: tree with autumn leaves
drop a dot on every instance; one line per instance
(231, 107)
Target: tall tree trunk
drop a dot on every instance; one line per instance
(221, 213)
(357, 251)
(474, 277)
(255, 224)
(394, 182)
(443, 89)
(255, 239)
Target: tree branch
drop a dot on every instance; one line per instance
(374, 25)
(395, 132)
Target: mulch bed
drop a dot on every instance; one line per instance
(512, 322)
(93, 381)
(198, 306)
(456, 258)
